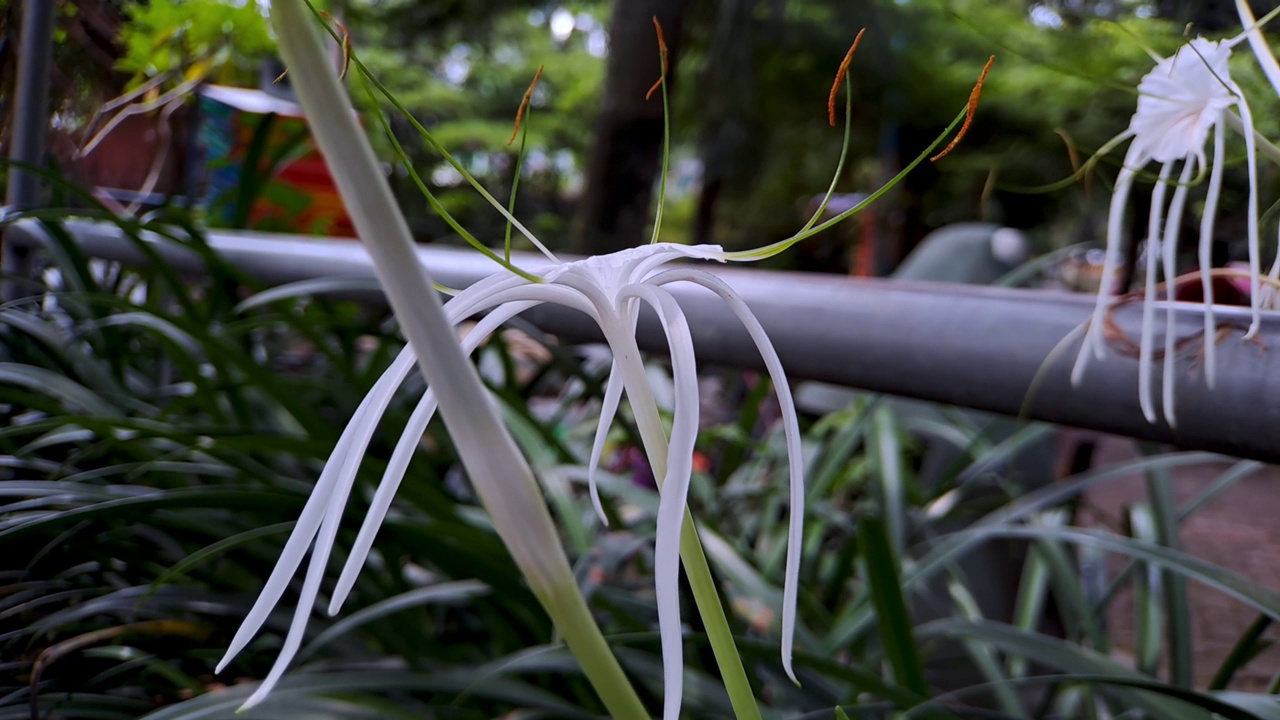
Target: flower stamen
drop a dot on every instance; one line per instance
(840, 76)
(524, 104)
(974, 96)
(346, 43)
(662, 51)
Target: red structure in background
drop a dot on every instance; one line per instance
(243, 156)
(288, 188)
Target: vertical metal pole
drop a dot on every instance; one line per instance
(30, 123)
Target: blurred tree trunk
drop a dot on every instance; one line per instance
(1209, 15)
(728, 96)
(614, 210)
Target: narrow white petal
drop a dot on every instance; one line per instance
(402, 454)
(382, 498)
(1258, 44)
(292, 641)
(608, 410)
(640, 271)
(1170, 248)
(1146, 345)
(338, 469)
(352, 443)
(675, 489)
(1255, 250)
(791, 429)
(490, 292)
(1094, 341)
(379, 397)
(616, 319)
(1206, 251)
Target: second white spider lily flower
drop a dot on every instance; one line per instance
(610, 289)
(1181, 102)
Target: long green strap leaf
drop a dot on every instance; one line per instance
(891, 607)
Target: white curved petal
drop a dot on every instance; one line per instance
(608, 410)
(332, 488)
(672, 251)
(518, 297)
(675, 489)
(1258, 44)
(310, 588)
(402, 454)
(1170, 255)
(1255, 259)
(1146, 345)
(1206, 252)
(350, 448)
(616, 316)
(791, 430)
(351, 445)
(1093, 339)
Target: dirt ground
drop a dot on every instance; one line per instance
(1239, 531)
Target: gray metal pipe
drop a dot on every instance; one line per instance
(976, 347)
(30, 123)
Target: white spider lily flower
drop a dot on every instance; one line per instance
(1183, 100)
(609, 289)
(501, 476)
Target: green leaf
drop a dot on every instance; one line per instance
(451, 592)
(309, 288)
(894, 622)
(1249, 646)
(1177, 606)
(1131, 688)
(76, 397)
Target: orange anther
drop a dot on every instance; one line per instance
(840, 76)
(528, 94)
(346, 45)
(974, 96)
(662, 49)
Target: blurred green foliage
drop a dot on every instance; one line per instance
(223, 42)
(750, 109)
(160, 432)
(751, 142)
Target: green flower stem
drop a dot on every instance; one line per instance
(501, 476)
(711, 609)
(692, 556)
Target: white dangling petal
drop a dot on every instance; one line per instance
(1255, 242)
(1206, 254)
(791, 431)
(1094, 341)
(608, 410)
(1170, 255)
(675, 489)
(1146, 345)
(1181, 101)
(400, 457)
(354, 439)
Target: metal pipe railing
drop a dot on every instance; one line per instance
(30, 121)
(994, 349)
